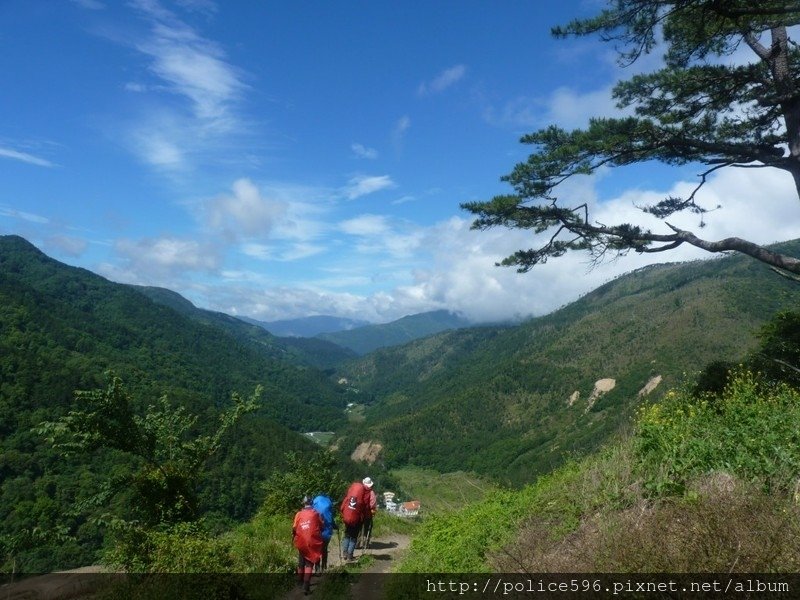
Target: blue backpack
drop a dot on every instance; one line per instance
(324, 506)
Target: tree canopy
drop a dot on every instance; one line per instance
(696, 109)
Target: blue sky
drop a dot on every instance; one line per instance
(282, 159)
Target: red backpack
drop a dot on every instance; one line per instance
(352, 507)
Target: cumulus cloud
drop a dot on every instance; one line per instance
(245, 211)
(378, 235)
(165, 261)
(441, 82)
(362, 185)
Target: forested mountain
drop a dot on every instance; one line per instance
(513, 402)
(61, 328)
(315, 352)
(371, 337)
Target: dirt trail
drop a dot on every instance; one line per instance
(385, 553)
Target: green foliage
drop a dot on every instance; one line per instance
(750, 430)
(779, 354)
(178, 548)
(304, 475)
(164, 485)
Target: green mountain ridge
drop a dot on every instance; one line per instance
(503, 402)
(368, 338)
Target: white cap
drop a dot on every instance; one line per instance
(367, 482)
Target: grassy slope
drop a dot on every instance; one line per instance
(731, 465)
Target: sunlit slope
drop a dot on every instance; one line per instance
(512, 402)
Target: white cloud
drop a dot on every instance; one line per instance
(362, 185)
(564, 107)
(157, 149)
(206, 119)
(288, 253)
(244, 212)
(165, 261)
(461, 274)
(362, 151)
(365, 225)
(193, 67)
(441, 82)
(259, 251)
(25, 157)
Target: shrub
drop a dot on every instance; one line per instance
(751, 430)
(181, 548)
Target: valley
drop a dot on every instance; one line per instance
(452, 418)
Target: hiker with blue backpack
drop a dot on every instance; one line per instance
(324, 506)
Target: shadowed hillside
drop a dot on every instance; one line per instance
(61, 328)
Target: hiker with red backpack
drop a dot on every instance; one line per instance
(307, 538)
(354, 508)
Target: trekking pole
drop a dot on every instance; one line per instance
(339, 540)
(369, 536)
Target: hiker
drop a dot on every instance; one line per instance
(371, 508)
(307, 538)
(324, 506)
(353, 509)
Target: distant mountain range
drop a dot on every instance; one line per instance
(361, 337)
(307, 326)
(315, 352)
(363, 340)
